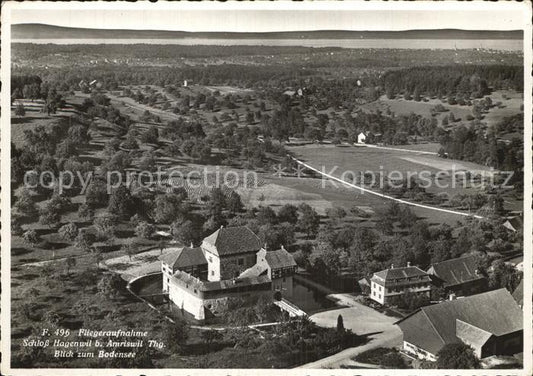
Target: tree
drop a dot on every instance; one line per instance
(234, 203)
(504, 276)
(85, 212)
(111, 285)
(31, 237)
(70, 262)
(147, 162)
(161, 245)
(144, 230)
(78, 134)
(105, 225)
(170, 206)
(335, 213)
(340, 324)
(85, 239)
(68, 232)
(50, 214)
(186, 232)
(16, 225)
(96, 194)
(176, 335)
(25, 204)
(121, 203)
(288, 213)
(309, 219)
(19, 110)
(98, 257)
(265, 215)
(393, 360)
(217, 201)
(213, 223)
(150, 136)
(416, 94)
(130, 248)
(210, 336)
(457, 356)
(130, 142)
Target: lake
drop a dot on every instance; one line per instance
(434, 44)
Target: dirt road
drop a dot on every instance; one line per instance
(361, 320)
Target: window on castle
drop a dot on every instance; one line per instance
(212, 272)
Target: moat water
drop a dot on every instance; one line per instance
(309, 299)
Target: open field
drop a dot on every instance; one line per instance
(352, 160)
(510, 105)
(32, 119)
(401, 106)
(138, 265)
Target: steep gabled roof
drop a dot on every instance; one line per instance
(399, 273)
(470, 334)
(518, 293)
(254, 271)
(400, 276)
(418, 330)
(184, 257)
(279, 259)
(233, 240)
(514, 223)
(493, 312)
(456, 271)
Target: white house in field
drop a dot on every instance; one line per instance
(361, 138)
(388, 283)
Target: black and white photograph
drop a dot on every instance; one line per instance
(225, 188)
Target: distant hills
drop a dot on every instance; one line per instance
(44, 31)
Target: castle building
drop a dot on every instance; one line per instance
(229, 251)
(279, 266)
(230, 263)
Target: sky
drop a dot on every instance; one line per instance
(257, 17)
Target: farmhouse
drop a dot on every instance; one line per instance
(514, 223)
(459, 275)
(230, 263)
(388, 283)
(491, 323)
(361, 138)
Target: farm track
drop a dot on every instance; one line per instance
(398, 149)
(383, 195)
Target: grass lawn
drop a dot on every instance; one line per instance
(338, 160)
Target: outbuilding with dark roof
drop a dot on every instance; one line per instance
(491, 323)
(459, 275)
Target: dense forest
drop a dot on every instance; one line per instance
(476, 145)
(464, 81)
